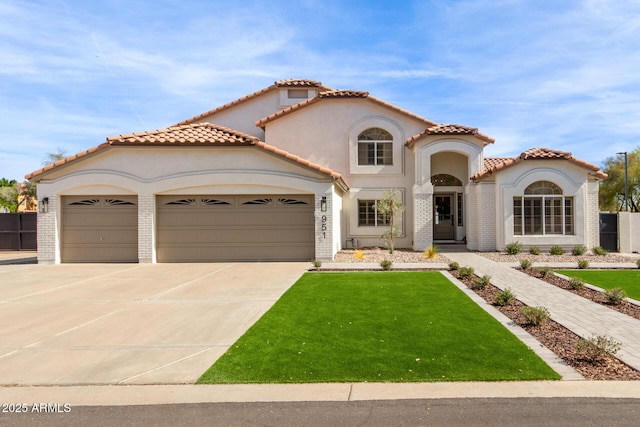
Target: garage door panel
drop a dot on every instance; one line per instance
(267, 228)
(100, 229)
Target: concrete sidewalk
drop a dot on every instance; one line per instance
(581, 316)
(335, 392)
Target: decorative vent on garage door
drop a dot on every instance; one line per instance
(99, 202)
(117, 202)
(88, 202)
(259, 202)
(292, 202)
(182, 202)
(213, 202)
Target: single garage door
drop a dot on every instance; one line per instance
(99, 229)
(235, 228)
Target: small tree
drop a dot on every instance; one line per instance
(389, 207)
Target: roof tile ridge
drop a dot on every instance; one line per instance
(263, 121)
(402, 110)
(67, 159)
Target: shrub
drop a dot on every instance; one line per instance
(597, 348)
(481, 282)
(533, 250)
(454, 266)
(513, 248)
(579, 250)
(599, 250)
(556, 250)
(576, 283)
(386, 264)
(638, 262)
(316, 263)
(615, 295)
(431, 252)
(525, 264)
(583, 263)
(504, 297)
(464, 272)
(545, 271)
(358, 254)
(535, 316)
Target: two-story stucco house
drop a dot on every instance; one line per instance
(292, 172)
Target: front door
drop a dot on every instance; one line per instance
(443, 217)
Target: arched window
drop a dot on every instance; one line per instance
(445, 180)
(375, 147)
(542, 209)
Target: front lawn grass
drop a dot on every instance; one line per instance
(384, 326)
(628, 280)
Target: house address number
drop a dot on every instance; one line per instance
(324, 226)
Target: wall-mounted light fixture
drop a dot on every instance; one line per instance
(323, 204)
(44, 205)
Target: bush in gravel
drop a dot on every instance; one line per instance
(615, 295)
(386, 264)
(579, 250)
(535, 316)
(431, 252)
(556, 250)
(464, 272)
(597, 348)
(481, 282)
(316, 263)
(583, 263)
(638, 262)
(599, 250)
(533, 250)
(513, 248)
(576, 283)
(504, 297)
(545, 271)
(525, 264)
(454, 266)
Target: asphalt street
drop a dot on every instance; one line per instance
(521, 412)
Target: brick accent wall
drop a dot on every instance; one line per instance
(485, 211)
(48, 233)
(422, 217)
(592, 215)
(146, 228)
(471, 216)
(324, 227)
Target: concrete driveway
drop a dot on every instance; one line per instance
(128, 323)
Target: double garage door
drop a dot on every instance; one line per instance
(191, 228)
(235, 228)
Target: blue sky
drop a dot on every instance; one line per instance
(530, 73)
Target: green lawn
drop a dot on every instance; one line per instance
(629, 280)
(384, 326)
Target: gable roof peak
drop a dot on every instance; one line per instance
(298, 83)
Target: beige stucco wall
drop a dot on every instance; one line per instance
(629, 232)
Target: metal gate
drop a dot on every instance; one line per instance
(18, 231)
(609, 231)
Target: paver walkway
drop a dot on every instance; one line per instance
(581, 316)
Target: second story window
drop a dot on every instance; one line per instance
(375, 147)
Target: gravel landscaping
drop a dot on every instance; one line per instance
(546, 257)
(375, 255)
(561, 341)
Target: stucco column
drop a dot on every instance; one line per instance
(146, 228)
(48, 231)
(422, 216)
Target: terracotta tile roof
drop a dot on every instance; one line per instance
(197, 134)
(450, 129)
(299, 83)
(493, 165)
(338, 94)
(274, 86)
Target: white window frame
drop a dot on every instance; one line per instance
(543, 198)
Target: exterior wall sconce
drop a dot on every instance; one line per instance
(44, 205)
(323, 204)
